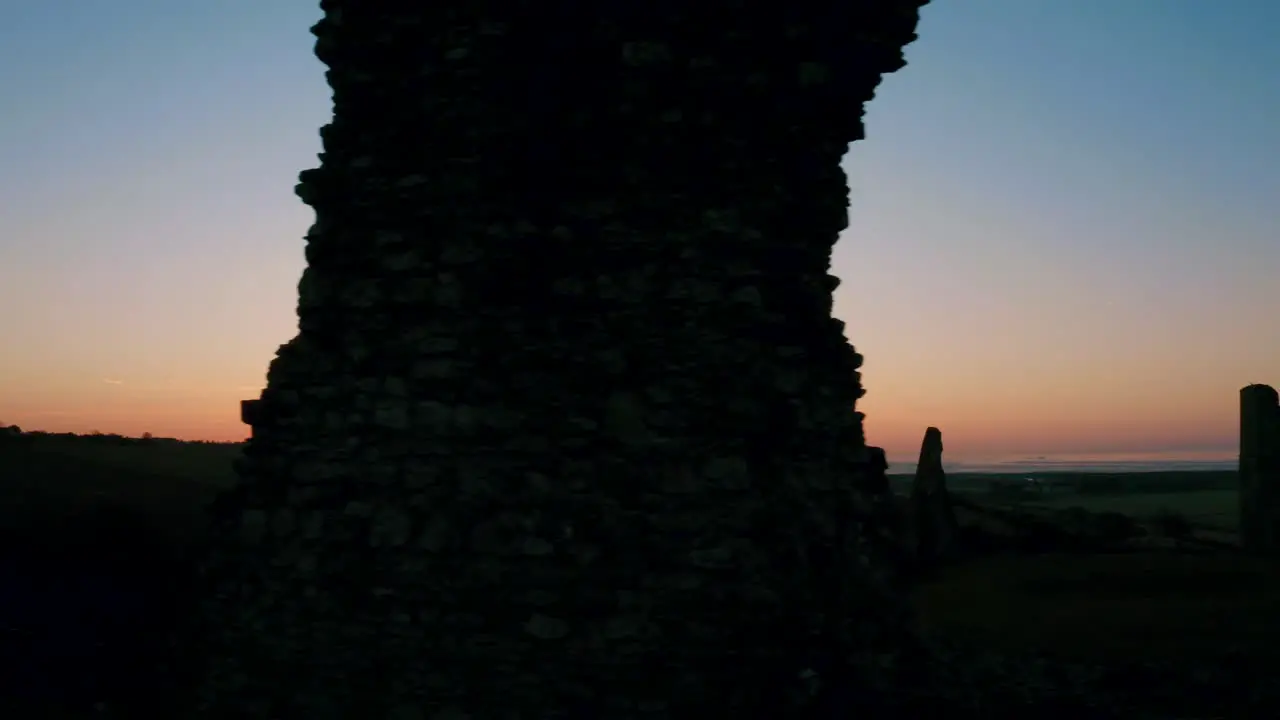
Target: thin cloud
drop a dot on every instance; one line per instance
(109, 381)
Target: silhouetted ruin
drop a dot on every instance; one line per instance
(933, 518)
(877, 473)
(1260, 468)
(566, 429)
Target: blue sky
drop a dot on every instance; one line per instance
(1063, 234)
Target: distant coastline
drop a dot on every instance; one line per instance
(1217, 462)
(1040, 467)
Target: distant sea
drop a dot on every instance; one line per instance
(1075, 466)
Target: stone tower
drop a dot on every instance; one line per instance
(565, 431)
(1260, 468)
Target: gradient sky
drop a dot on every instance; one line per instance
(1064, 239)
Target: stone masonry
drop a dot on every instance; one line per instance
(566, 429)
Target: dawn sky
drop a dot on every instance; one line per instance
(1064, 225)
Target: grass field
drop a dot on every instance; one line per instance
(1210, 509)
(147, 500)
(51, 489)
(1136, 606)
(1142, 606)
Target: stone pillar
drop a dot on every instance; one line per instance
(1259, 468)
(934, 519)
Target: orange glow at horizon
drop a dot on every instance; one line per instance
(1037, 262)
(1005, 426)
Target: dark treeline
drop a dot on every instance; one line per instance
(12, 432)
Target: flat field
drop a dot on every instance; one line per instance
(1210, 509)
(51, 487)
(89, 495)
(1148, 606)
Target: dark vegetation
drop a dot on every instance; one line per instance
(95, 533)
(94, 536)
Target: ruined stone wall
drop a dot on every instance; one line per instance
(1260, 468)
(566, 430)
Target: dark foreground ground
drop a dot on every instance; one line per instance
(93, 570)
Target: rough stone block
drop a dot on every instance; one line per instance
(934, 520)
